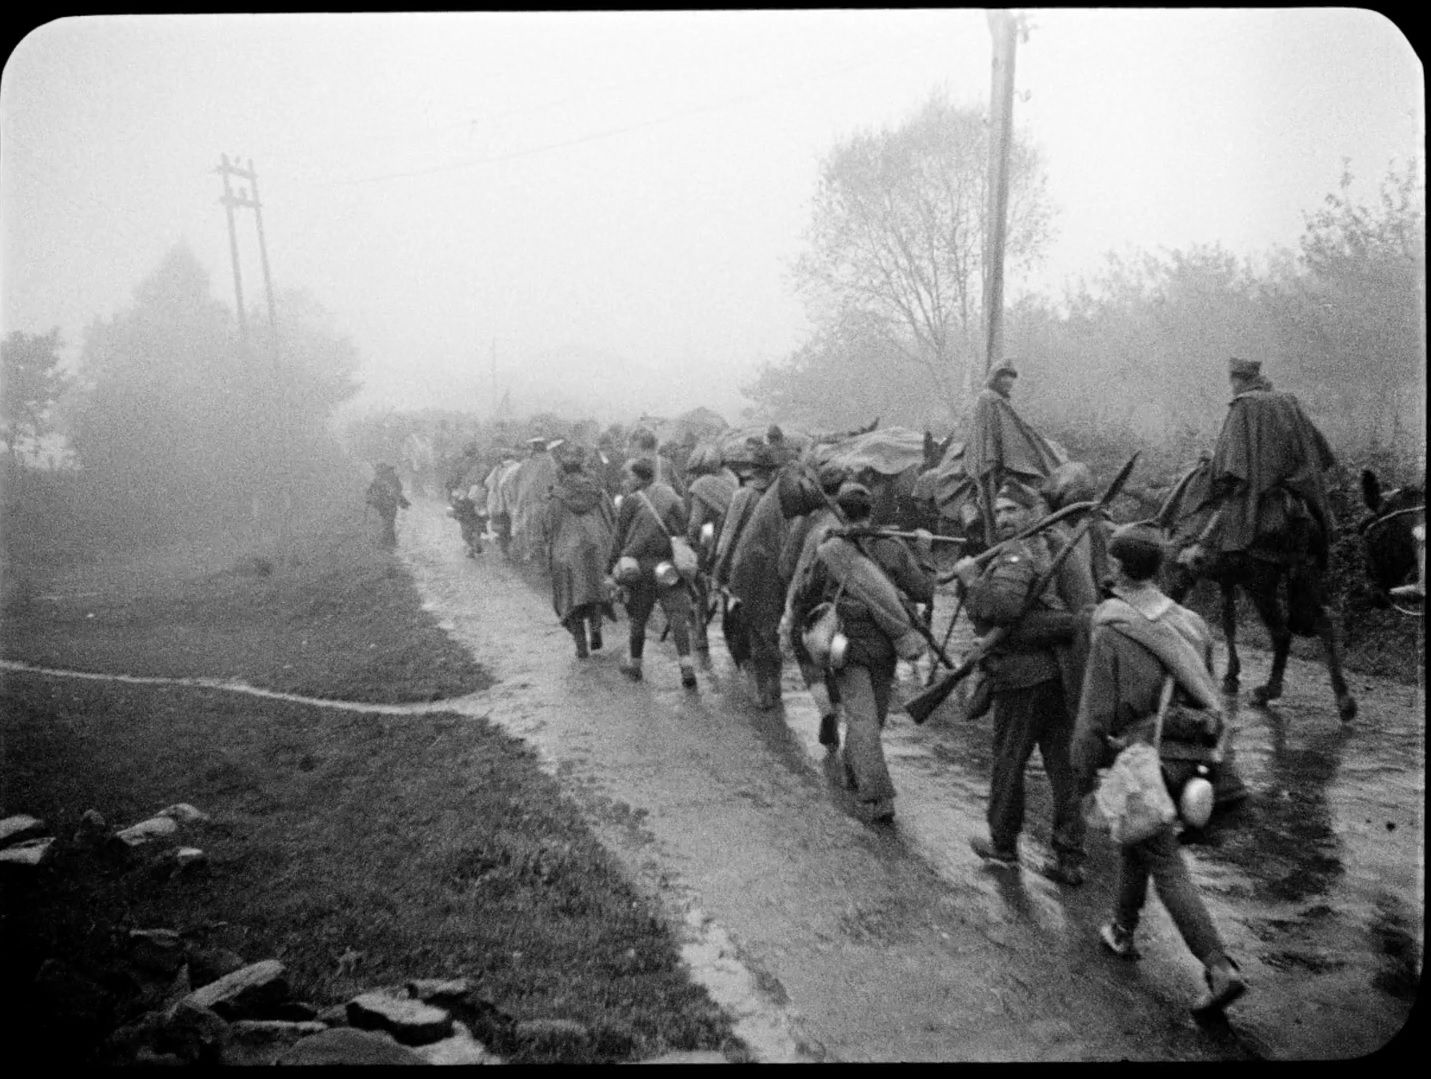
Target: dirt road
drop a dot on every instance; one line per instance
(831, 939)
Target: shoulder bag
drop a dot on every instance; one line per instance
(683, 555)
(1132, 794)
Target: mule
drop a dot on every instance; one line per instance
(1395, 554)
(1287, 562)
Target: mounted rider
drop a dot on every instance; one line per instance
(1267, 493)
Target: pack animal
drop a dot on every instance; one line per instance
(1183, 516)
(1395, 555)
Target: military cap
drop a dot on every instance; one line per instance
(1003, 367)
(1136, 540)
(855, 499)
(1239, 368)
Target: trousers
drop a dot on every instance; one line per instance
(1160, 858)
(1035, 716)
(676, 602)
(864, 692)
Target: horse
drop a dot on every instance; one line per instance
(1285, 559)
(1395, 551)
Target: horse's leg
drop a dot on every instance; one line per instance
(1233, 678)
(1261, 585)
(1329, 630)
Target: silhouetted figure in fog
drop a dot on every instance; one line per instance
(580, 521)
(385, 495)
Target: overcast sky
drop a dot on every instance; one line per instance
(629, 190)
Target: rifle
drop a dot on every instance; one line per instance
(860, 532)
(923, 705)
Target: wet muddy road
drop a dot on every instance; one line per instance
(836, 940)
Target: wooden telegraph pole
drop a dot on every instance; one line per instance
(281, 435)
(1004, 27)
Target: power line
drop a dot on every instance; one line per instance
(456, 166)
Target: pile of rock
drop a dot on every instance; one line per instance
(198, 1004)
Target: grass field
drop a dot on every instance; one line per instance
(430, 845)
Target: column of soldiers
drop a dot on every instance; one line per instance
(1075, 645)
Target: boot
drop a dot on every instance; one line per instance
(1224, 985)
(688, 673)
(578, 631)
(631, 668)
(830, 731)
(596, 636)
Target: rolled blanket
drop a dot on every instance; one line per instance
(867, 583)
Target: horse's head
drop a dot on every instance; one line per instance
(1388, 536)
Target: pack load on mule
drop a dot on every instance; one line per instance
(887, 460)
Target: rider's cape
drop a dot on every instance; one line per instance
(1267, 446)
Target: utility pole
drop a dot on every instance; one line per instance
(281, 439)
(229, 203)
(1004, 27)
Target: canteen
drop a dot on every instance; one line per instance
(667, 576)
(1195, 802)
(628, 570)
(822, 637)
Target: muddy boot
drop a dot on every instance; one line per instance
(830, 731)
(688, 673)
(578, 632)
(596, 635)
(631, 668)
(1224, 985)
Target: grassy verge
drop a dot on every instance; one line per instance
(339, 621)
(432, 846)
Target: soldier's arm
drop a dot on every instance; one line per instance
(1096, 709)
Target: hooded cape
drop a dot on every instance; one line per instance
(1267, 442)
(580, 520)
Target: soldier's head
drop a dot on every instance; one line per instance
(1244, 374)
(1136, 551)
(855, 502)
(536, 446)
(1015, 508)
(640, 472)
(1001, 377)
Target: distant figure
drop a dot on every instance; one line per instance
(651, 513)
(385, 495)
(580, 522)
(711, 488)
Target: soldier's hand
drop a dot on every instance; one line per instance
(967, 569)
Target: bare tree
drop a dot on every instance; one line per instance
(897, 234)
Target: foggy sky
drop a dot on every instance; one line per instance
(608, 204)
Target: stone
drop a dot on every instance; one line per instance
(460, 1049)
(437, 990)
(92, 830)
(262, 1041)
(687, 1056)
(182, 813)
(409, 1021)
(194, 1033)
(553, 1035)
(146, 831)
(210, 964)
(31, 854)
(346, 1045)
(20, 826)
(157, 950)
(247, 993)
